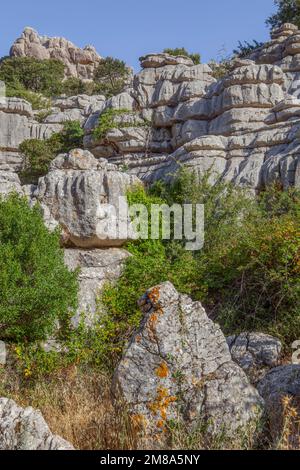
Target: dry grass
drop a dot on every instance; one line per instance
(76, 405)
(290, 433)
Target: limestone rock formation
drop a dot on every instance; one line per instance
(178, 366)
(245, 127)
(254, 349)
(26, 429)
(96, 268)
(79, 63)
(9, 183)
(83, 194)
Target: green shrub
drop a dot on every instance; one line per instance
(182, 51)
(38, 154)
(109, 120)
(110, 77)
(37, 100)
(288, 11)
(245, 48)
(36, 288)
(38, 76)
(246, 275)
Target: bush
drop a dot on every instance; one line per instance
(38, 154)
(288, 12)
(109, 120)
(245, 48)
(110, 77)
(246, 275)
(36, 288)
(182, 51)
(27, 73)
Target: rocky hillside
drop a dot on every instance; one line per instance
(243, 128)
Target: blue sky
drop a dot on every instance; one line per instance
(128, 29)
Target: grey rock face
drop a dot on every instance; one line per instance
(178, 365)
(9, 183)
(96, 268)
(26, 429)
(82, 195)
(255, 107)
(79, 63)
(280, 383)
(254, 350)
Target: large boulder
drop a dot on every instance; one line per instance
(26, 429)
(178, 366)
(82, 195)
(280, 389)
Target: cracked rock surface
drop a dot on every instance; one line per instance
(178, 365)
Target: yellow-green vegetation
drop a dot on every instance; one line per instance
(111, 119)
(247, 274)
(196, 58)
(38, 154)
(37, 290)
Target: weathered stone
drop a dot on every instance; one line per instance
(80, 63)
(84, 199)
(250, 350)
(26, 429)
(178, 366)
(96, 268)
(279, 385)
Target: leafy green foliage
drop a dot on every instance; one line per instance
(36, 287)
(110, 77)
(26, 74)
(111, 119)
(38, 154)
(245, 48)
(220, 69)
(74, 86)
(182, 51)
(288, 11)
(247, 274)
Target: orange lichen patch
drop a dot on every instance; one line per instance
(138, 338)
(161, 404)
(162, 371)
(154, 295)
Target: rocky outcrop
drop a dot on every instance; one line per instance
(178, 366)
(9, 183)
(79, 63)
(82, 195)
(26, 429)
(250, 350)
(96, 268)
(244, 128)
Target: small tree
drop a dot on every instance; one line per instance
(288, 11)
(182, 51)
(38, 154)
(38, 76)
(245, 48)
(110, 76)
(36, 288)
